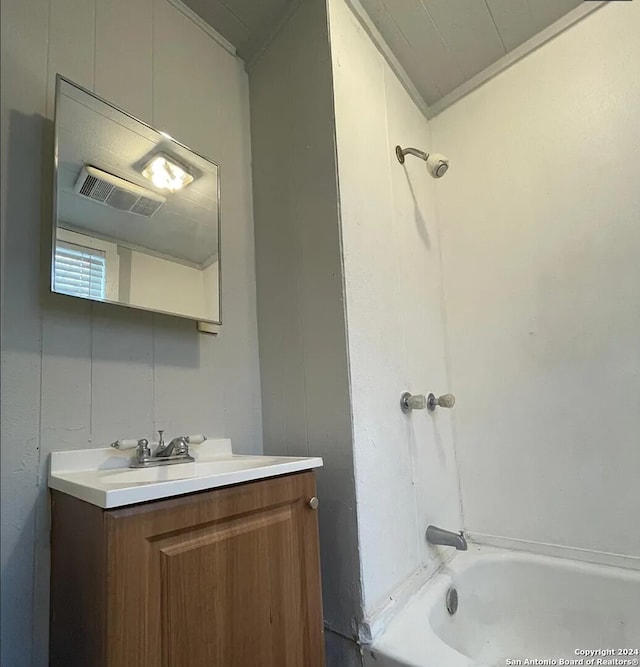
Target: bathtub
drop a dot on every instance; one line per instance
(514, 606)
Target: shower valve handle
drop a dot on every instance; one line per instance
(410, 402)
(444, 401)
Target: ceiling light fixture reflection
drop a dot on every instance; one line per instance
(166, 174)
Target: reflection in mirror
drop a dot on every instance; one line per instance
(137, 215)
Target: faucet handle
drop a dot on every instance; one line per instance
(197, 439)
(444, 401)
(143, 451)
(125, 444)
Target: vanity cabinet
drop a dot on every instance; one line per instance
(222, 578)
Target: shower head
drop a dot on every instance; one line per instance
(437, 164)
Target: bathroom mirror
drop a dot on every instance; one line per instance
(136, 214)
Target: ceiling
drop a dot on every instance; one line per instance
(247, 24)
(442, 44)
(436, 46)
(91, 132)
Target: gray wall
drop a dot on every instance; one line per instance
(78, 375)
(303, 349)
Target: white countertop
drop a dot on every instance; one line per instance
(102, 477)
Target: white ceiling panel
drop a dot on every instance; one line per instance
(255, 14)
(513, 19)
(469, 32)
(518, 20)
(219, 17)
(443, 47)
(451, 46)
(247, 24)
(383, 22)
(414, 39)
(545, 12)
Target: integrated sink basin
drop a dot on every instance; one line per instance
(103, 476)
(188, 470)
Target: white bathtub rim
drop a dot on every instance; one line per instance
(623, 561)
(490, 554)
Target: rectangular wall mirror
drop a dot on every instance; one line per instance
(136, 214)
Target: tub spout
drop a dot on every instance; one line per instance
(446, 538)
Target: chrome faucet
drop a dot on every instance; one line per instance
(178, 446)
(446, 538)
(177, 451)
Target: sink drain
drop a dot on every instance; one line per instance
(451, 601)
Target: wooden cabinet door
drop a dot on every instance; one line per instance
(227, 578)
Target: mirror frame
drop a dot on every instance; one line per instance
(54, 225)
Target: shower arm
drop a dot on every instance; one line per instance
(401, 152)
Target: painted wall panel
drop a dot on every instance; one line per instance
(23, 102)
(375, 349)
(282, 374)
(75, 374)
(65, 418)
(541, 280)
(303, 350)
(185, 91)
(124, 55)
(422, 316)
(404, 465)
(240, 371)
(122, 375)
(71, 32)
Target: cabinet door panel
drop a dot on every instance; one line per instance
(229, 578)
(232, 595)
